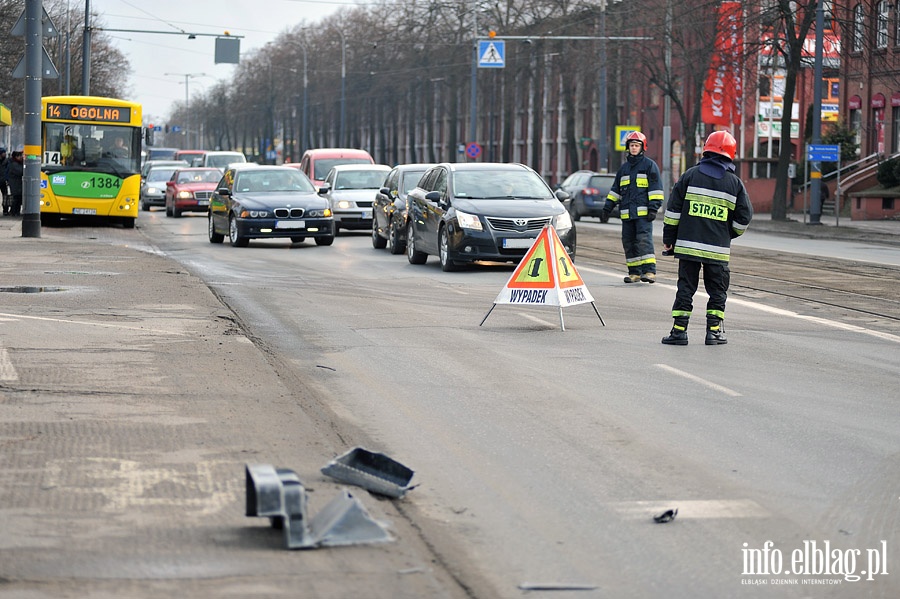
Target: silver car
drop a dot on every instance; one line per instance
(351, 189)
(153, 184)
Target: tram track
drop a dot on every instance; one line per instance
(859, 293)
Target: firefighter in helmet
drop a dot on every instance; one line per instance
(637, 190)
(708, 208)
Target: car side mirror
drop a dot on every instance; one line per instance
(223, 191)
(561, 195)
(385, 191)
(433, 196)
(323, 189)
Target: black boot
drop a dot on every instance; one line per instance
(715, 332)
(678, 334)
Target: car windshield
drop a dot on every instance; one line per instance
(410, 180)
(324, 165)
(160, 174)
(264, 180)
(359, 179)
(223, 160)
(500, 184)
(205, 176)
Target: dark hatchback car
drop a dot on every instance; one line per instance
(482, 211)
(588, 190)
(271, 202)
(389, 213)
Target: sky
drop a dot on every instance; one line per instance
(152, 56)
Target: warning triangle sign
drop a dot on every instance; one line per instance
(546, 276)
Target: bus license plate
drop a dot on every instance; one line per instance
(517, 243)
(290, 224)
(90, 211)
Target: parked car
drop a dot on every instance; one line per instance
(389, 213)
(463, 212)
(221, 160)
(153, 185)
(316, 163)
(189, 190)
(276, 202)
(588, 190)
(350, 189)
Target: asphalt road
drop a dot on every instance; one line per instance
(541, 455)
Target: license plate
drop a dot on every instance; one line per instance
(290, 224)
(517, 243)
(367, 214)
(203, 202)
(91, 211)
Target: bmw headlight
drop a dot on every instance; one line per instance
(325, 213)
(254, 214)
(468, 221)
(563, 221)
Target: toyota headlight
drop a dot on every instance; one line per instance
(564, 221)
(468, 221)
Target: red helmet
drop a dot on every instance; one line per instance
(721, 142)
(636, 136)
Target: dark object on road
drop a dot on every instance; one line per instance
(375, 472)
(666, 516)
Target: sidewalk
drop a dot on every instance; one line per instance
(875, 231)
(130, 401)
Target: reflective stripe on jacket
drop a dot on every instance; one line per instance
(637, 188)
(704, 214)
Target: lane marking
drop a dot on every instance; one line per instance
(7, 370)
(693, 508)
(697, 379)
(93, 324)
(537, 320)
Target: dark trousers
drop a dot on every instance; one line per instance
(637, 241)
(716, 277)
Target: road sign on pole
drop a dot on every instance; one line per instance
(823, 153)
(491, 54)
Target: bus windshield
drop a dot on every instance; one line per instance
(104, 148)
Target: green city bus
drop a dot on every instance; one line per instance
(91, 158)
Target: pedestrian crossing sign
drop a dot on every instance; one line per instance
(491, 54)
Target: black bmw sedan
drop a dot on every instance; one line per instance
(255, 202)
(464, 212)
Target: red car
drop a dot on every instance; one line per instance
(189, 190)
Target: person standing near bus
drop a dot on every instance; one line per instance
(637, 190)
(16, 174)
(4, 178)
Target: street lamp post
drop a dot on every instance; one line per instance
(187, 100)
(343, 85)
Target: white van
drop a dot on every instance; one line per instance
(221, 160)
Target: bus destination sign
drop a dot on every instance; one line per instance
(83, 112)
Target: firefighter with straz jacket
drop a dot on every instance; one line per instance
(708, 207)
(637, 190)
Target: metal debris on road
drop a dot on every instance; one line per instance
(375, 472)
(556, 586)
